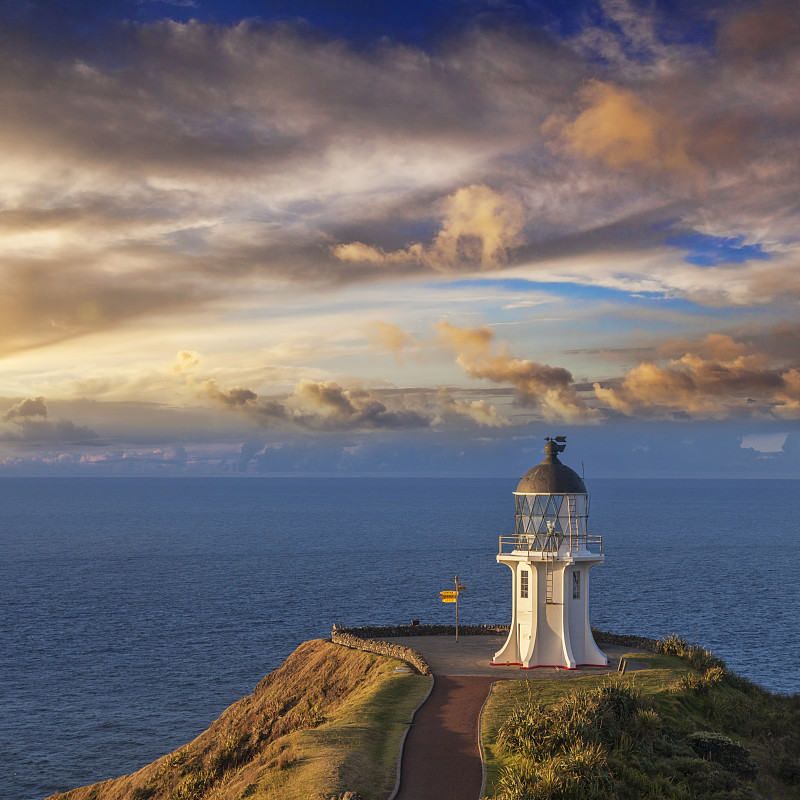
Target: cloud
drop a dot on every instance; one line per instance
(479, 411)
(391, 338)
(209, 162)
(30, 407)
(480, 226)
(28, 421)
(236, 397)
(632, 41)
(550, 389)
(316, 406)
(185, 361)
(763, 32)
(717, 378)
(619, 130)
(327, 405)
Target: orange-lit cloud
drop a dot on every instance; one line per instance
(185, 361)
(717, 378)
(550, 389)
(391, 338)
(620, 130)
(480, 226)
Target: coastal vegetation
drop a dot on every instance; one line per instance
(330, 720)
(327, 721)
(687, 728)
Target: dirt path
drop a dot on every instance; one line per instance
(441, 759)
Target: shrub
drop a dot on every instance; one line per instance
(673, 645)
(235, 751)
(720, 749)
(193, 786)
(693, 682)
(285, 758)
(646, 726)
(703, 778)
(586, 768)
(789, 771)
(700, 658)
(703, 660)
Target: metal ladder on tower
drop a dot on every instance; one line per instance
(573, 523)
(548, 580)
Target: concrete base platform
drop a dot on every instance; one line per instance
(472, 655)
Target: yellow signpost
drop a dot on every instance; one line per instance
(451, 596)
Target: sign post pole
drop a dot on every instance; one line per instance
(456, 607)
(451, 596)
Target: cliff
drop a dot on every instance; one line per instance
(327, 721)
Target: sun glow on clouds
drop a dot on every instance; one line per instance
(311, 227)
(480, 226)
(619, 130)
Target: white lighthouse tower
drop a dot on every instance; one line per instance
(550, 557)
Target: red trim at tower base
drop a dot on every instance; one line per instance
(541, 666)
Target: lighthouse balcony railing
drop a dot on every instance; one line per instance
(550, 544)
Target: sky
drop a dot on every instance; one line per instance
(364, 238)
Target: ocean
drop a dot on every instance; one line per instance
(134, 611)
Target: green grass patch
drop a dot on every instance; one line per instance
(685, 728)
(358, 750)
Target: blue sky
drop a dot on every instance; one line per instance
(371, 238)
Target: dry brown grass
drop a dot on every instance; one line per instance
(327, 719)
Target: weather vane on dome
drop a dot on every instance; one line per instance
(560, 442)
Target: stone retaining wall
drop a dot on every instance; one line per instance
(412, 657)
(640, 642)
(390, 631)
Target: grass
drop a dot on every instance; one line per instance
(686, 728)
(328, 720)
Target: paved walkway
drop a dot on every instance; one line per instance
(441, 757)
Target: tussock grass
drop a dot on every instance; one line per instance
(686, 728)
(328, 720)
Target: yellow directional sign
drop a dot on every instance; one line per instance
(449, 600)
(448, 594)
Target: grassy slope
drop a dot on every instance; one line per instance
(328, 720)
(768, 725)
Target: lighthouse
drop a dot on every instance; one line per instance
(550, 556)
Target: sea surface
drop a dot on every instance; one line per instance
(134, 611)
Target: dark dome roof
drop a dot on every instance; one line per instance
(551, 476)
